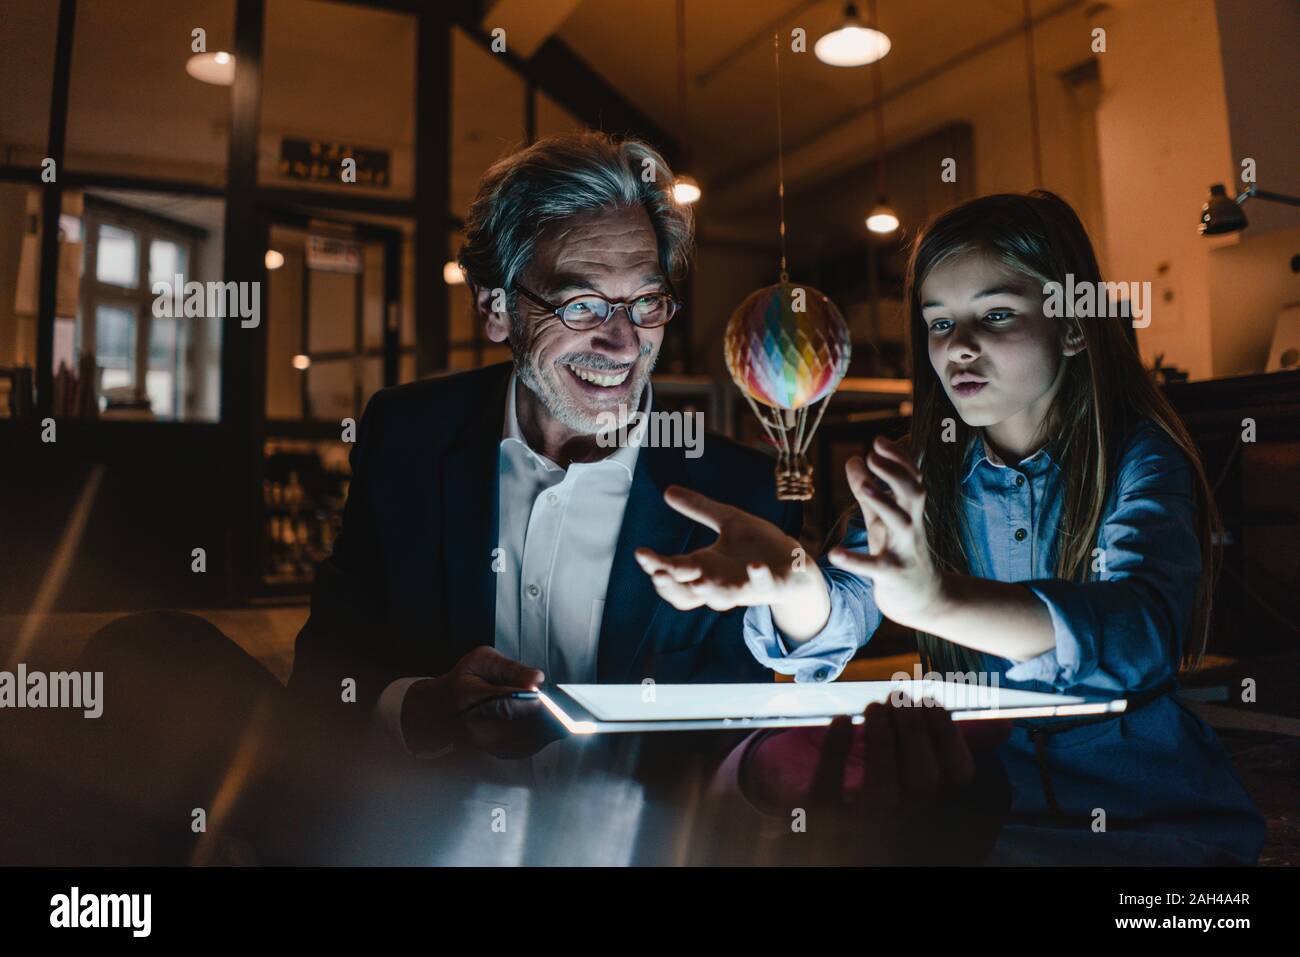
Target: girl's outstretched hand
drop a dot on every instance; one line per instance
(905, 583)
(752, 562)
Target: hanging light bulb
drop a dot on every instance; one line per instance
(686, 189)
(882, 218)
(217, 68)
(274, 259)
(852, 44)
(451, 273)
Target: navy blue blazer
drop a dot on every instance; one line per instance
(409, 588)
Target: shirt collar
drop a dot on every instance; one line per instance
(977, 451)
(625, 455)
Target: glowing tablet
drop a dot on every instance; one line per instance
(596, 709)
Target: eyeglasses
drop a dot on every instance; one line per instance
(584, 313)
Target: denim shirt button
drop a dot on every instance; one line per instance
(821, 674)
(1020, 480)
(1020, 534)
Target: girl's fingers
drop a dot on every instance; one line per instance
(904, 482)
(855, 470)
(891, 513)
(880, 758)
(719, 598)
(918, 758)
(955, 762)
(680, 596)
(697, 507)
(683, 568)
(896, 451)
(760, 578)
(864, 566)
(828, 779)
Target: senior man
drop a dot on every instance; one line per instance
(489, 538)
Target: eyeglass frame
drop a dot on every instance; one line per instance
(614, 304)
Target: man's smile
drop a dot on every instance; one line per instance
(602, 379)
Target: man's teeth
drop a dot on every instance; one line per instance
(586, 375)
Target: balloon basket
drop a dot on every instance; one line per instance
(794, 478)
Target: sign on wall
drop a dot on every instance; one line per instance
(322, 161)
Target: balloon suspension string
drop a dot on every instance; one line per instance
(780, 153)
(776, 436)
(818, 421)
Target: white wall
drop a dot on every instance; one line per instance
(1250, 281)
(1163, 132)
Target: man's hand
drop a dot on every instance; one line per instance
(471, 703)
(752, 563)
(906, 585)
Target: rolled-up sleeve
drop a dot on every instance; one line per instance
(1125, 630)
(853, 619)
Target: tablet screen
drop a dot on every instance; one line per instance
(786, 699)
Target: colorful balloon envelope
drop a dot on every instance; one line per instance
(787, 346)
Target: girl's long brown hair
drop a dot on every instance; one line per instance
(1105, 392)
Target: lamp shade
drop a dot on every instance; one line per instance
(852, 44)
(686, 189)
(882, 219)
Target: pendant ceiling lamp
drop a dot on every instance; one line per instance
(852, 44)
(217, 68)
(686, 188)
(882, 219)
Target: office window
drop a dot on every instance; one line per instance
(147, 363)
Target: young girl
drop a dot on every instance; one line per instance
(1047, 523)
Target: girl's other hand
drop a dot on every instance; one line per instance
(906, 585)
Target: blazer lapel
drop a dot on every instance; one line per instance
(631, 604)
(469, 473)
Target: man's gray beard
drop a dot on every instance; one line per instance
(558, 402)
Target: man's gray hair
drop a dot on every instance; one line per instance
(522, 194)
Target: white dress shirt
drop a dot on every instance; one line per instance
(557, 532)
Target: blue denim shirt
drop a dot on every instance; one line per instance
(1120, 633)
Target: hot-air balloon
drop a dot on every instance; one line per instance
(787, 348)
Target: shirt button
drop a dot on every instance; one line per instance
(533, 591)
(552, 498)
(1020, 534)
(821, 674)
(1020, 480)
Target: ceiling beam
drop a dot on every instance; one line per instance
(528, 23)
(556, 70)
